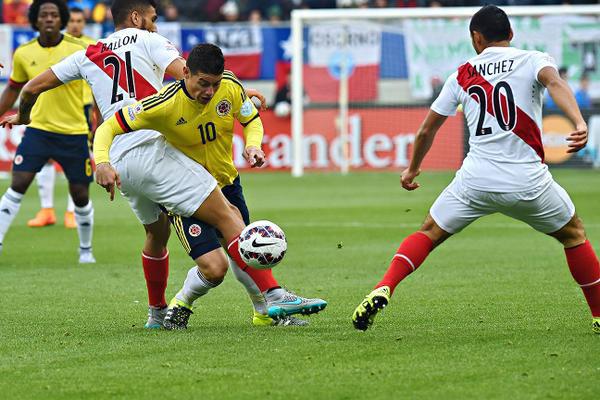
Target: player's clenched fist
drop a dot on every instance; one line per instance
(254, 156)
(578, 138)
(407, 179)
(107, 177)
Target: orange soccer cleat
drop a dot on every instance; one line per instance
(44, 217)
(70, 222)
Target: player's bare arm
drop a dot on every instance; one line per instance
(45, 81)
(8, 98)
(563, 97)
(423, 141)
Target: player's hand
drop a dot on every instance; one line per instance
(1, 66)
(107, 177)
(255, 93)
(14, 119)
(578, 138)
(254, 156)
(408, 178)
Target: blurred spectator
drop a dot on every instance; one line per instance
(549, 104)
(230, 11)
(255, 16)
(274, 13)
(196, 10)
(582, 94)
(15, 11)
(170, 13)
(283, 100)
(86, 5)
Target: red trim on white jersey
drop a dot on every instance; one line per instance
(96, 55)
(525, 128)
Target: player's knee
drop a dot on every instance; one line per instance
(572, 234)
(21, 181)
(214, 268)
(433, 231)
(80, 195)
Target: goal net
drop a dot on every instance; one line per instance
(363, 79)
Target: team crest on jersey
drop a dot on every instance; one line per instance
(223, 108)
(18, 159)
(195, 230)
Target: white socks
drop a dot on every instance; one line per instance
(9, 207)
(84, 216)
(45, 181)
(195, 286)
(70, 204)
(256, 297)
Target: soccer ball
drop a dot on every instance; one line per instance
(262, 244)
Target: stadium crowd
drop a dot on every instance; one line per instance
(98, 11)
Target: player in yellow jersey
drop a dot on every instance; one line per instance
(196, 116)
(47, 176)
(58, 128)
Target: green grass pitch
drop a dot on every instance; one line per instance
(492, 314)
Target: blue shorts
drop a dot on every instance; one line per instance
(199, 238)
(70, 151)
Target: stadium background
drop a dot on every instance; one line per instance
(400, 67)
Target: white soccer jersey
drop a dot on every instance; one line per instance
(125, 67)
(502, 102)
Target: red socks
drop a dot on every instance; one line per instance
(411, 253)
(263, 278)
(156, 272)
(585, 269)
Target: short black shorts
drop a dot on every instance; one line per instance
(70, 151)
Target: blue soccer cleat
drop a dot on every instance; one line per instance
(282, 302)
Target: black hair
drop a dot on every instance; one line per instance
(206, 58)
(121, 9)
(492, 22)
(34, 11)
(76, 10)
(563, 70)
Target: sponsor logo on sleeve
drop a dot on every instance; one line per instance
(247, 108)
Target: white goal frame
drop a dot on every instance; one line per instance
(300, 16)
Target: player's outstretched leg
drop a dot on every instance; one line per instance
(583, 264)
(45, 181)
(283, 302)
(410, 255)
(208, 274)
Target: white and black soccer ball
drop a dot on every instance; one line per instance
(262, 244)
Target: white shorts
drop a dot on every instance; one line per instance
(155, 173)
(546, 210)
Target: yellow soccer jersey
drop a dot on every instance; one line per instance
(88, 97)
(59, 110)
(202, 132)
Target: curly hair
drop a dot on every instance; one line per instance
(34, 11)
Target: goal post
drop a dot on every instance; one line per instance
(402, 87)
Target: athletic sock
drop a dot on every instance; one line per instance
(255, 294)
(45, 181)
(263, 278)
(196, 285)
(84, 216)
(70, 204)
(9, 207)
(585, 269)
(410, 255)
(156, 272)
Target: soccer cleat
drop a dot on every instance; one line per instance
(156, 317)
(86, 256)
(264, 320)
(282, 302)
(596, 325)
(177, 315)
(44, 217)
(367, 310)
(69, 221)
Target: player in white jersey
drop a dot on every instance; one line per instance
(127, 66)
(501, 91)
